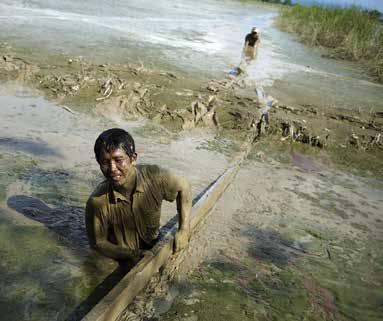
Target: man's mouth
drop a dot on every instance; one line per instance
(115, 177)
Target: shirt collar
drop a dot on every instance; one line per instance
(115, 195)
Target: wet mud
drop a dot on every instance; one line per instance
(276, 248)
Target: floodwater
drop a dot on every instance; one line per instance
(202, 38)
(47, 171)
(47, 167)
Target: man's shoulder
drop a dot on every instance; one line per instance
(159, 180)
(154, 174)
(98, 195)
(150, 170)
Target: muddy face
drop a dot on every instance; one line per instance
(116, 166)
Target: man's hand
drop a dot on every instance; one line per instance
(181, 240)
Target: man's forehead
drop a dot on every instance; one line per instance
(113, 152)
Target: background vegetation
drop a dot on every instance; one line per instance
(350, 33)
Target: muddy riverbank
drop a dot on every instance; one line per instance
(230, 106)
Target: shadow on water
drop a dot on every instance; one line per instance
(66, 221)
(270, 246)
(37, 148)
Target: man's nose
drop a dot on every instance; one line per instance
(112, 166)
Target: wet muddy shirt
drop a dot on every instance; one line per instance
(251, 39)
(131, 223)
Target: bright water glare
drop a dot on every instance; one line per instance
(203, 38)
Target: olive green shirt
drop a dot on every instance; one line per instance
(131, 223)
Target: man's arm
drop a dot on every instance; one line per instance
(98, 236)
(184, 203)
(178, 188)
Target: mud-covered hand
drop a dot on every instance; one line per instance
(181, 240)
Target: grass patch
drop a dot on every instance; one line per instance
(351, 33)
(365, 163)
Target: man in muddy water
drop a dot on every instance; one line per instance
(250, 48)
(123, 213)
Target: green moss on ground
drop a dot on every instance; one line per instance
(311, 286)
(349, 158)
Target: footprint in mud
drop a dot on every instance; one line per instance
(67, 221)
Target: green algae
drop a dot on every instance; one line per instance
(27, 252)
(40, 277)
(353, 275)
(330, 278)
(226, 293)
(155, 132)
(361, 162)
(12, 168)
(221, 144)
(364, 163)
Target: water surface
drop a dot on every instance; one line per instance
(202, 38)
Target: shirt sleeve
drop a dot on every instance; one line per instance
(94, 222)
(169, 184)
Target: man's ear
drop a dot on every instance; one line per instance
(133, 159)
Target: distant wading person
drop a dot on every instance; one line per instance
(123, 213)
(250, 48)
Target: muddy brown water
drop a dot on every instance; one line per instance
(48, 170)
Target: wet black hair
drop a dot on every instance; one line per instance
(112, 139)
